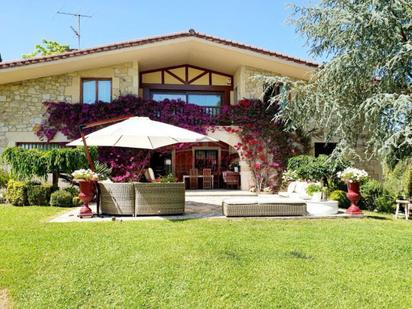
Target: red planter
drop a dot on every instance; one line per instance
(353, 196)
(87, 189)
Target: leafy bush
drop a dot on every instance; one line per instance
(16, 193)
(312, 188)
(33, 183)
(370, 190)
(385, 203)
(168, 178)
(399, 179)
(321, 168)
(61, 198)
(289, 175)
(74, 191)
(340, 196)
(77, 201)
(375, 197)
(4, 178)
(39, 194)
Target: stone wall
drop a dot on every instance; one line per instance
(250, 87)
(21, 103)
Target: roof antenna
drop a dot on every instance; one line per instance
(76, 31)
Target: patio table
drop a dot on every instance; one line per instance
(199, 176)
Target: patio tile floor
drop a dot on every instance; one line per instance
(200, 204)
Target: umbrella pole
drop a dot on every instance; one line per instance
(86, 150)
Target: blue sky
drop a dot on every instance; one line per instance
(260, 22)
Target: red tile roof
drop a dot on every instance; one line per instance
(140, 42)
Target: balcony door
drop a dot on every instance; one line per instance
(209, 101)
(207, 158)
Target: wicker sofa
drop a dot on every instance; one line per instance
(141, 198)
(263, 207)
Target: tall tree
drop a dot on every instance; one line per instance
(47, 47)
(365, 90)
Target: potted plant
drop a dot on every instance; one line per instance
(315, 191)
(87, 183)
(353, 177)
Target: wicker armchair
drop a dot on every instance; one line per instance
(231, 179)
(116, 198)
(159, 198)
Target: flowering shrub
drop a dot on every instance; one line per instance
(352, 174)
(83, 174)
(264, 145)
(289, 175)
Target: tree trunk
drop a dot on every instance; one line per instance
(55, 179)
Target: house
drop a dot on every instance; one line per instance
(194, 67)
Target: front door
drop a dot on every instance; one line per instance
(206, 158)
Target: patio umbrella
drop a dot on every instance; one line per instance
(142, 133)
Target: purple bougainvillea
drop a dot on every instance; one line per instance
(264, 145)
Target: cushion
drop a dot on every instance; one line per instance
(291, 187)
(149, 175)
(277, 199)
(300, 189)
(241, 200)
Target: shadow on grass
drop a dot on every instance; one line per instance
(377, 217)
(300, 255)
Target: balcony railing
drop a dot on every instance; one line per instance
(211, 110)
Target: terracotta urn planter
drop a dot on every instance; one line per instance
(87, 189)
(353, 196)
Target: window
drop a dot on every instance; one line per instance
(324, 148)
(206, 159)
(205, 99)
(96, 90)
(159, 96)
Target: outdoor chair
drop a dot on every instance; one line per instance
(207, 178)
(231, 179)
(116, 198)
(193, 178)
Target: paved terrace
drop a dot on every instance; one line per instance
(200, 204)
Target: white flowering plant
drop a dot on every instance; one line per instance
(352, 174)
(83, 174)
(289, 175)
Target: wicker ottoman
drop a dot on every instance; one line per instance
(159, 198)
(116, 198)
(263, 207)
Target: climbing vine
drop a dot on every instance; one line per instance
(263, 145)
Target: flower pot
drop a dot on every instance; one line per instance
(87, 189)
(316, 197)
(353, 196)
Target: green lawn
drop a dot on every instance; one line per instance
(345, 263)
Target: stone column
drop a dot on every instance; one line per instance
(246, 178)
